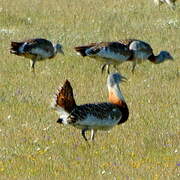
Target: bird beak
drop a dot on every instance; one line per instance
(61, 51)
(171, 58)
(123, 79)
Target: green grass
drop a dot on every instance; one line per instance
(34, 146)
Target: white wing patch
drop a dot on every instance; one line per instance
(61, 112)
(140, 50)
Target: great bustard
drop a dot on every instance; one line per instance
(36, 50)
(93, 117)
(171, 3)
(121, 51)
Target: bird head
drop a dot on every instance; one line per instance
(59, 48)
(166, 55)
(114, 79)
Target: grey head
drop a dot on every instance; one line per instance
(166, 55)
(114, 79)
(163, 56)
(58, 48)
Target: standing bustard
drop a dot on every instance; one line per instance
(121, 51)
(36, 50)
(93, 117)
(171, 3)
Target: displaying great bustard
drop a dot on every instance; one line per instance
(96, 116)
(121, 51)
(171, 3)
(36, 50)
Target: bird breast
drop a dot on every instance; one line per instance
(114, 99)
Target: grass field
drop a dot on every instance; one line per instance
(34, 146)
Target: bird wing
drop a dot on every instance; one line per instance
(82, 49)
(110, 50)
(41, 47)
(113, 47)
(64, 98)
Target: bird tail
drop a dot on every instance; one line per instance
(82, 49)
(15, 48)
(64, 102)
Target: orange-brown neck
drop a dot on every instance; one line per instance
(114, 99)
(65, 97)
(152, 58)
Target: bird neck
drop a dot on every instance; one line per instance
(157, 59)
(55, 49)
(54, 53)
(160, 58)
(115, 95)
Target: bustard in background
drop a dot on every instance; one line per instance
(171, 3)
(93, 117)
(121, 51)
(36, 50)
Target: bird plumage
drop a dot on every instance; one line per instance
(171, 3)
(95, 116)
(35, 49)
(106, 52)
(65, 98)
(118, 52)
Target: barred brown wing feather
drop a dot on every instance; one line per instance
(65, 98)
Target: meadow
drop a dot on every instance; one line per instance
(34, 146)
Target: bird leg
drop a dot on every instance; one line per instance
(93, 132)
(32, 63)
(134, 65)
(108, 65)
(83, 133)
(103, 67)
